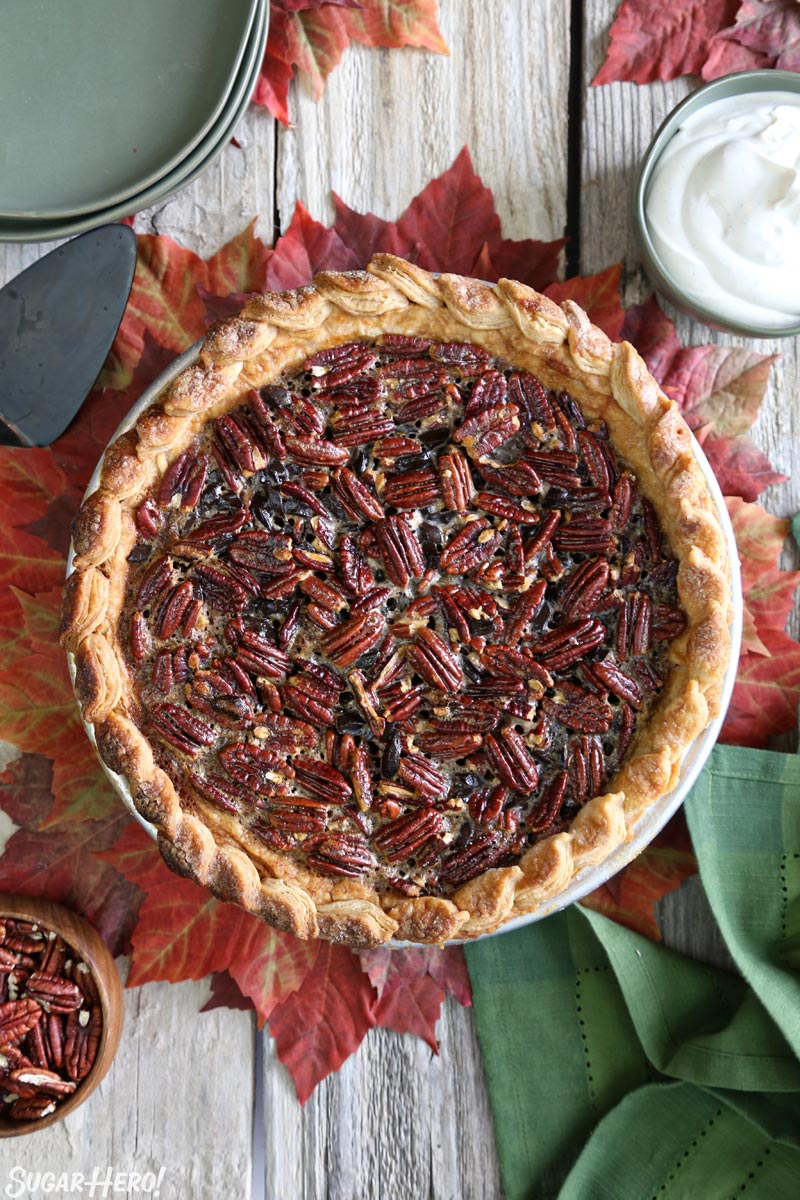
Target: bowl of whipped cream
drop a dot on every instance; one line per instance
(716, 205)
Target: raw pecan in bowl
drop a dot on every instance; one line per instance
(61, 1009)
(405, 607)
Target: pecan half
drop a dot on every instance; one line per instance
(398, 547)
(510, 758)
(578, 709)
(424, 779)
(179, 729)
(341, 854)
(403, 837)
(435, 662)
(345, 644)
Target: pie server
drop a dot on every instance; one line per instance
(57, 322)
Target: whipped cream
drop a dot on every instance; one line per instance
(723, 208)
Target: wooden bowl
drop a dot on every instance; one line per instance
(89, 947)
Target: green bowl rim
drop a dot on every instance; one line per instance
(761, 80)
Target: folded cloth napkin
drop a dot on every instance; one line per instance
(618, 1068)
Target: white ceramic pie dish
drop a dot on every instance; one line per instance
(656, 815)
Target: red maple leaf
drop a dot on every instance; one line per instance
(268, 965)
(26, 794)
(766, 693)
(410, 1003)
(226, 994)
(662, 41)
(411, 986)
(740, 467)
(365, 234)
(767, 689)
(452, 225)
(530, 261)
(318, 1027)
(312, 35)
(766, 34)
(447, 967)
(653, 334)
(305, 248)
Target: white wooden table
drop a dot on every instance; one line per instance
(203, 1096)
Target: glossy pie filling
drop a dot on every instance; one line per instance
(399, 614)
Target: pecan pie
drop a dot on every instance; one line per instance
(400, 606)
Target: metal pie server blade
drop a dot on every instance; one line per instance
(58, 320)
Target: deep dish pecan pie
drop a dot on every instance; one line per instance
(401, 606)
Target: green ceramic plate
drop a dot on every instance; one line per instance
(192, 166)
(101, 98)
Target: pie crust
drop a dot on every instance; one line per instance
(273, 334)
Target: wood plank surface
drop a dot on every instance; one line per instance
(390, 121)
(179, 1096)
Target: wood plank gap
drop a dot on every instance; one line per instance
(276, 211)
(574, 139)
(258, 1155)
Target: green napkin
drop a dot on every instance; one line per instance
(636, 1072)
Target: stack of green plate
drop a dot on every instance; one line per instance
(109, 106)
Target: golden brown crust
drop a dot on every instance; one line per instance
(201, 385)
(489, 899)
(84, 606)
(96, 529)
(428, 919)
(275, 332)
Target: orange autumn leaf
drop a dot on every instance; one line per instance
(28, 562)
(597, 294)
(182, 931)
(165, 302)
(39, 715)
(269, 965)
(29, 480)
(631, 896)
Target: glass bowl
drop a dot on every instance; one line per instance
(747, 83)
